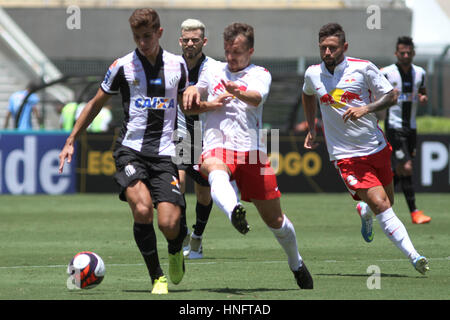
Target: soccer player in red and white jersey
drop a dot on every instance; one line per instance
(346, 88)
(233, 146)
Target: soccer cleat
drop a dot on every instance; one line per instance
(418, 217)
(303, 277)
(160, 286)
(196, 248)
(238, 219)
(186, 246)
(366, 222)
(176, 267)
(421, 264)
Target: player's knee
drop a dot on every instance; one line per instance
(143, 213)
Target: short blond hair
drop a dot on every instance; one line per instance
(193, 24)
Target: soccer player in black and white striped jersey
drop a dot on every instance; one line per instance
(408, 81)
(150, 81)
(192, 41)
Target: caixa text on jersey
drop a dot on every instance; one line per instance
(155, 103)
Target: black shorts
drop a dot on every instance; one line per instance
(190, 164)
(159, 174)
(404, 143)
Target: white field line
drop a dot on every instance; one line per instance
(213, 262)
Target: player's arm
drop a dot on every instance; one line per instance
(88, 114)
(192, 103)
(309, 108)
(251, 97)
(423, 97)
(385, 101)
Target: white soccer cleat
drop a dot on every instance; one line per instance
(186, 246)
(421, 264)
(196, 248)
(366, 221)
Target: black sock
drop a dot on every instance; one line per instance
(176, 244)
(202, 216)
(145, 237)
(408, 191)
(183, 214)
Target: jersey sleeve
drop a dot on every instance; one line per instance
(422, 81)
(110, 84)
(184, 80)
(202, 82)
(308, 88)
(376, 80)
(261, 83)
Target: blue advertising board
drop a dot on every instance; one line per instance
(29, 163)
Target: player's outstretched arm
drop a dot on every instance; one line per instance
(193, 105)
(250, 97)
(88, 114)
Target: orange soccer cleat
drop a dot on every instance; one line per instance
(418, 217)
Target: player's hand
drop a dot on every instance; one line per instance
(66, 153)
(231, 87)
(354, 113)
(220, 101)
(310, 140)
(423, 98)
(191, 97)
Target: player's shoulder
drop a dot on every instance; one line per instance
(258, 69)
(389, 69)
(119, 62)
(313, 70)
(170, 58)
(418, 69)
(357, 63)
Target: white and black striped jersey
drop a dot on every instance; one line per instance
(186, 122)
(149, 98)
(403, 114)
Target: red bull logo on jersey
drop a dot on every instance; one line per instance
(339, 98)
(155, 103)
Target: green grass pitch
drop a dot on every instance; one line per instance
(40, 234)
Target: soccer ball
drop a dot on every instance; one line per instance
(86, 270)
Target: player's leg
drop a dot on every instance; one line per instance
(202, 211)
(132, 177)
(378, 199)
(182, 183)
(284, 232)
(222, 192)
(140, 202)
(407, 182)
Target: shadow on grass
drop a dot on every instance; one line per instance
(388, 275)
(234, 291)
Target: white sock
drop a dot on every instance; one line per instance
(236, 189)
(222, 191)
(394, 229)
(288, 240)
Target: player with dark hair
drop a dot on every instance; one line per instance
(151, 81)
(346, 88)
(408, 81)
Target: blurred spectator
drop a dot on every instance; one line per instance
(15, 102)
(68, 116)
(102, 122)
(72, 110)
